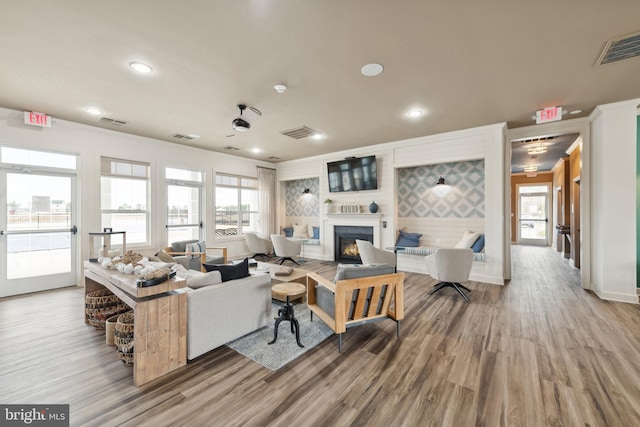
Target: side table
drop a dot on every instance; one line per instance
(287, 290)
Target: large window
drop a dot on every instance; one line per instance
(236, 205)
(184, 212)
(125, 198)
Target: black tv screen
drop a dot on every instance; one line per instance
(353, 174)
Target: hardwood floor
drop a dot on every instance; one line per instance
(538, 351)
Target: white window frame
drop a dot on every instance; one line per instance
(194, 183)
(239, 186)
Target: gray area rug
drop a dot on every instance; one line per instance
(285, 349)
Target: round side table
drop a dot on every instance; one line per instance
(288, 290)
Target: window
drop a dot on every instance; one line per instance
(125, 198)
(236, 205)
(21, 156)
(184, 212)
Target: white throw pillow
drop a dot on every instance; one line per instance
(198, 279)
(195, 247)
(468, 239)
(300, 231)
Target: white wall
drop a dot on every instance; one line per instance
(613, 206)
(92, 142)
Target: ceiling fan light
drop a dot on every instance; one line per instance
(240, 125)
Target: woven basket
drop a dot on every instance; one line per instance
(100, 305)
(123, 338)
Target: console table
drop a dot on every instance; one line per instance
(160, 319)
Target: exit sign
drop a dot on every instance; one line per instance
(550, 114)
(37, 119)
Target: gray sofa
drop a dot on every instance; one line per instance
(221, 312)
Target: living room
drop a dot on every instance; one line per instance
(518, 323)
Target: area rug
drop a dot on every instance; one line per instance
(285, 349)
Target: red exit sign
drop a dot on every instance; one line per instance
(37, 119)
(550, 114)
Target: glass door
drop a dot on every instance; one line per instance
(533, 214)
(37, 231)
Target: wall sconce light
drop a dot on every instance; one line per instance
(441, 189)
(306, 191)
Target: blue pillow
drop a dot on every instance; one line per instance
(408, 240)
(478, 245)
(316, 232)
(288, 231)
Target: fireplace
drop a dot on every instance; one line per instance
(344, 242)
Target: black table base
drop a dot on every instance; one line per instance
(286, 313)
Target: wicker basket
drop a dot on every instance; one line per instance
(123, 337)
(100, 305)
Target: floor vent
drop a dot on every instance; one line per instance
(299, 133)
(623, 47)
(113, 122)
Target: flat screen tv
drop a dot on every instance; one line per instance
(353, 174)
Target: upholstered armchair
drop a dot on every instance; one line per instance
(183, 253)
(358, 296)
(285, 248)
(257, 245)
(450, 266)
(372, 255)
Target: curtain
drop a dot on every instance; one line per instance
(266, 202)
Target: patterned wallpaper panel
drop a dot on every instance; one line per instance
(465, 192)
(303, 205)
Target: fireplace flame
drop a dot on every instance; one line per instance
(351, 250)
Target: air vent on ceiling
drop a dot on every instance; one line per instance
(273, 158)
(113, 122)
(299, 133)
(623, 47)
(542, 139)
(230, 148)
(181, 136)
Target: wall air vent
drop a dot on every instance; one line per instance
(230, 148)
(619, 48)
(112, 122)
(299, 133)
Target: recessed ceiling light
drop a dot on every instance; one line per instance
(256, 150)
(193, 135)
(94, 111)
(415, 113)
(575, 112)
(140, 67)
(316, 136)
(371, 70)
(280, 88)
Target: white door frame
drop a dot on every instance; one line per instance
(548, 214)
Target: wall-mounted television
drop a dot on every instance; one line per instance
(353, 174)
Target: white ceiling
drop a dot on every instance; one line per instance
(465, 63)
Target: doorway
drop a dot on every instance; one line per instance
(38, 243)
(534, 211)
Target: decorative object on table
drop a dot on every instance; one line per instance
(277, 355)
(100, 244)
(373, 207)
(155, 277)
(101, 305)
(124, 339)
(350, 208)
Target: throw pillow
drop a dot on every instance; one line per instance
(165, 257)
(197, 279)
(316, 232)
(300, 231)
(230, 272)
(468, 238)
(181, 246)
(478, 245)
(195, 247)
(408, 240)
(288, 231)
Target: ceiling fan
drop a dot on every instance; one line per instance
(243, 122)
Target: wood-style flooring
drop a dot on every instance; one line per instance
(538, 351)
